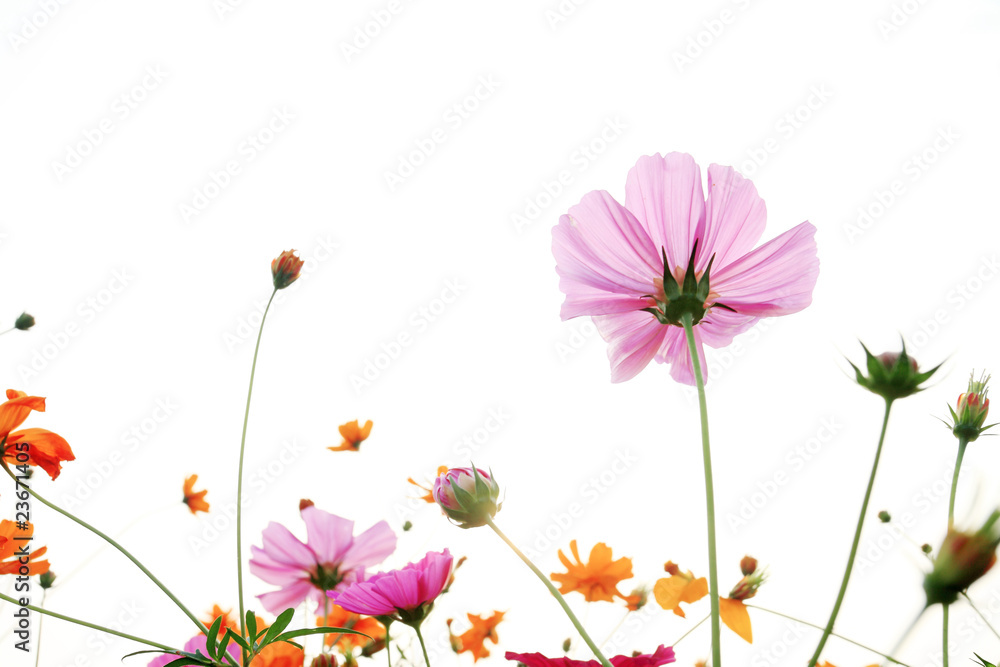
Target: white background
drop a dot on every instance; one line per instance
(824, 105)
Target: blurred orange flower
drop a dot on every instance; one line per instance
(32, 446)
(597, 579)
(14, 541)
(279, 654)
(341, 618)
(677, 588)
(471, 641)
(353, 435)
(428, 496)
(195, 500)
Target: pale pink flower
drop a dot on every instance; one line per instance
(199, 643)
(610, 261)
(406, 594)
(332, 558)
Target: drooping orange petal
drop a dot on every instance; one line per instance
(195, 500)
(44, 449)
(353, 435)
(678, 588)
(13, 541)
(597, 579)
(736, 617)
(16, 409)
(695, 590)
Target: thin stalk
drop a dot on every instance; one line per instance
(857, 539)
(832, 634)
(38, 640)
(706, 451)
(91, 625)
(239, 482)
(944, 638)
(690, 630)
(985, 620)
(555, 593)
(962, 444)
(180, 605)
(902, 640)
(427, 661)
(615, 629)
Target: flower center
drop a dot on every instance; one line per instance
(326, 577)
(680, 293)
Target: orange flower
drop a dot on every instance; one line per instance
(228, 621)
(597, 579)
(14, 541)
(353, 435)
(194, 500)
(677, 588)
(471, 641)
(346, 643)
(428, 496)
(736, 617)
(32, 446)
(637, 599)
(285, 269)
(279, 654)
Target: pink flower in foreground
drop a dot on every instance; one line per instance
(661, 656)
(610, 259)
(333, 557)
(405, 595)
(196, 644)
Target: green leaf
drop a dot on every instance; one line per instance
(319, 631)
(252, 626)
(236, 638)
(213, 637)
(279, 624)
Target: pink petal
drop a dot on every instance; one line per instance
(583, 300)
(370, 547)
(775, 279)
(329, 535)
(735, 216)
(401, 589)
(674, 351)
(287, 597)
(633, 339)
(720, 326)
(664, 193)
(436, 569)
(283, 547)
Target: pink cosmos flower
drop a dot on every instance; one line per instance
(610, 259)
(661, 656)
(405, 595)
(332, 558)
(198, 643)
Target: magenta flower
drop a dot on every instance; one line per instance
(468, 496)
(331, 558)
(198, 643)
(611, 261)
(405, 595)
(661, 656)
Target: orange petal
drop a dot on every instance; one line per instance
(17, 408)
(668, 591)
(736, 617)
(46, 449)
(695, 590)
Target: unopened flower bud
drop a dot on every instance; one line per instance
(24, 322)
(962, 559)
(324, 660)
(747, 587)
(748, 565)
(892, 375)
(46, 579)
(670, 567)
(285, 269)
(972, 408)
(926, 548)
(884, 517)
(407, 526)
(467, 495)
(566, 645)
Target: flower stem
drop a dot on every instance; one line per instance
(832, 634)
(944, 639)
(180, 605)
(976, 609)
(902, 640)
(427, 661)
(239, 482)
(388, 653)
(555, 593)
(38, 640)
(857, 539)
(91, 625)
(962, 444)
(713, 575)
(690, 630)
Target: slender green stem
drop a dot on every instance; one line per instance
(326, 612)
(902, 640)
(706, 452)
(239, 482)
(91, 625)
(116, 545)
(832, 634)
(555, 593)
(7, 331)
(962, 444)
(38, 639)
(615, 629)
(944, 639)
(857, 540)
(427, 661)
(690, 630)
(976, 609)
(388, 654)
